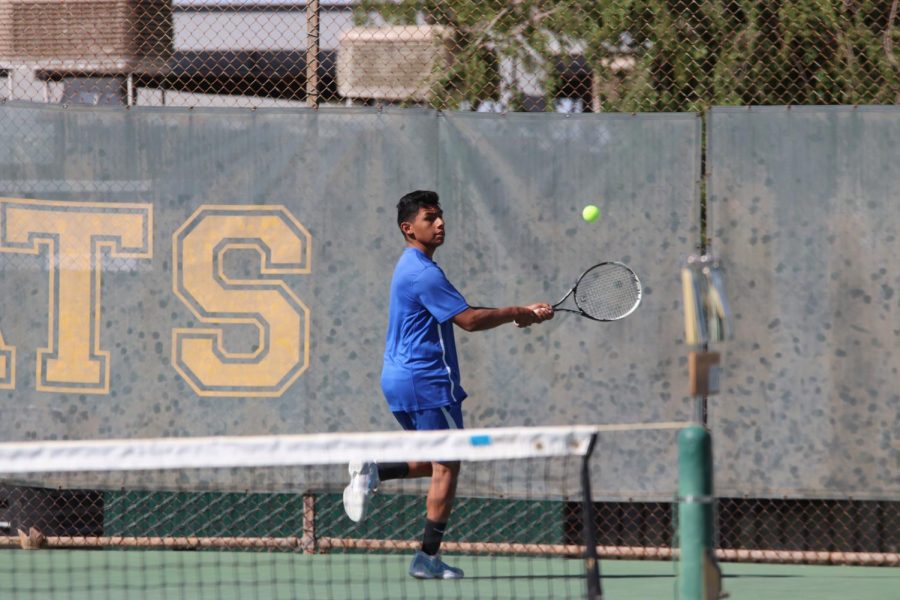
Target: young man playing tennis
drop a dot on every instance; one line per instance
(420, 378)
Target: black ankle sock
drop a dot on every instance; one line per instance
(434, 533)
(388, 471)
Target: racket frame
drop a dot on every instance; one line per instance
(580, 311)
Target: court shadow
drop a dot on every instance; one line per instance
(522, 577)
(579, 576)
(759, 576)
(637, 576)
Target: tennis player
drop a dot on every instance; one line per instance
(420, 378)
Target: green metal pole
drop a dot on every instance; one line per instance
(697, 571)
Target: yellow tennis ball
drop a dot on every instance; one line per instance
(590, 213)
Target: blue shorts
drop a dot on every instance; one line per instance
(431, 419)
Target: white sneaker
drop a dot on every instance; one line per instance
(432, 567)
(363, 483)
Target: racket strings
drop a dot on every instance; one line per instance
(608, 292)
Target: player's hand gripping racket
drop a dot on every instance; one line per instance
(608, 291)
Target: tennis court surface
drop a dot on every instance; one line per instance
(86, 574)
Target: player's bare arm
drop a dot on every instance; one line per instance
(478, 318)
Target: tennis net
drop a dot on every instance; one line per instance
(262, 517)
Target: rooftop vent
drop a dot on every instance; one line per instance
(89, 36)
(392, 63)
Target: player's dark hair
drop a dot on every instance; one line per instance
(409, 205)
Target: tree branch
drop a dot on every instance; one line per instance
(889, 33)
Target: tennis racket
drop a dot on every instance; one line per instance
(608, 291)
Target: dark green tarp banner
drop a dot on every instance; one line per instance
(804, 213)
(209, 272)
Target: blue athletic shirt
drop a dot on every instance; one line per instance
(420, 365)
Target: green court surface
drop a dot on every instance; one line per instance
(150, 575)
(630, 580)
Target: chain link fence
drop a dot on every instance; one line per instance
(523, 55)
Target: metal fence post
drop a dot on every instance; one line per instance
(312, 53)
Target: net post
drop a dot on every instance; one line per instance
(589, 525)
(308, 542)
(698, 573)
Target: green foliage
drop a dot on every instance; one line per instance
(685, 55)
